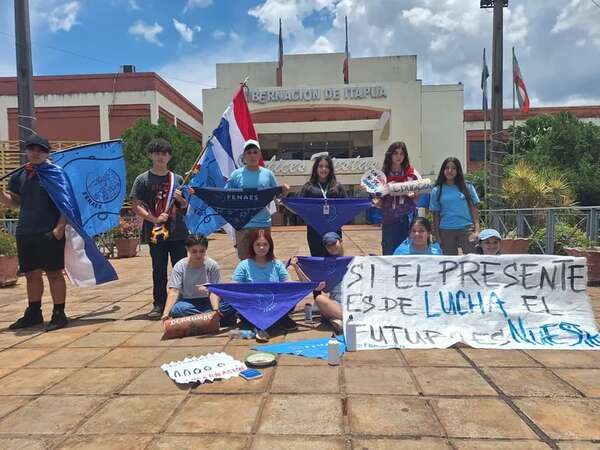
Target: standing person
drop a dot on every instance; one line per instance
(419, 241)
(40, 238)
(322, 184)
(398, 211)
(187, 293)
(252, 175)
(262, 267)
(454, 207)
(157, 200)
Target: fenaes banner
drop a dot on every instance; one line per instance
(509, 301)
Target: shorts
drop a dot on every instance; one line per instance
(40, 251)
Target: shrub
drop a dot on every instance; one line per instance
(565, 235)
(8, 244)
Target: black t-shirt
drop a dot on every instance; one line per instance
(38, 213)
(153, 190)
(314, 191)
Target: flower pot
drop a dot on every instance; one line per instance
(126, 247)
(592, 254)
(515, 246)
(8, 270)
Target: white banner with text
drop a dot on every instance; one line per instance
(505, 302)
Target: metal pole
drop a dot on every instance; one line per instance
(513, 106)
(25, 119)
(497, 154)
(485, 157)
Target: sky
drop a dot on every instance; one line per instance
(557, 42)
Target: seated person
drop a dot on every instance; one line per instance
(489, 242)
(418, 241)
(187, 295)
(329, 303)
(262, 267)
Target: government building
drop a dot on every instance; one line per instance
(314, 111)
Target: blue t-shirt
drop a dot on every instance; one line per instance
(406, 248)
(262, 178)
(453, 207)
(248, 271)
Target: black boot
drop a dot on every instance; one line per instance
(32, 316)
(59, 320)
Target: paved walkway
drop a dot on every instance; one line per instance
(97, 384)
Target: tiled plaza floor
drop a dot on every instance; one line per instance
(98, 383)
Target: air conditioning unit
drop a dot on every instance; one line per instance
(128, 68)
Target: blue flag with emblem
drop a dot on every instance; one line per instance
(200, 217)
(262, 304)
(97, 174)
(326, 215)
(309, 348)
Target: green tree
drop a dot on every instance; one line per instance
(565, 145)
(135, 138)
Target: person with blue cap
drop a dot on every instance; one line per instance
(490, 242)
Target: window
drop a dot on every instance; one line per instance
(476, 150)
(344, 144)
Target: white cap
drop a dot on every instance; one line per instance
(251, 142)
(488, 233)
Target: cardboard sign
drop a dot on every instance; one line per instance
(204, 368)
(509, 301)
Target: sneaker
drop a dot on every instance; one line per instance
(30, 318)
(262, 336)
(156, 313)
(337, 325)
(286, 323)
(59, 320)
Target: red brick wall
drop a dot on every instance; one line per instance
(122, 117)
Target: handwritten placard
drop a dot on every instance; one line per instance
(509, 301)
(203, 368)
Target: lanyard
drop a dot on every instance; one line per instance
(324, 191)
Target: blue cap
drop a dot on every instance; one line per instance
(331, 238)
(488, 233)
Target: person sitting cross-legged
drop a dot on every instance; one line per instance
(329, 302)
(187, 294)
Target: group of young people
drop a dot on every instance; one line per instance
(158, 200)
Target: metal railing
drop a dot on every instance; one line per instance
(548, 227)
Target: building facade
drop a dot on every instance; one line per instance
(313, 111)
(91, 108)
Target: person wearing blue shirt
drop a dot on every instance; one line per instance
(262, 267)
(418, 241)
(252, 175)
(454, 206)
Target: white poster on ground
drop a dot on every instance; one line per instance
(505, 302)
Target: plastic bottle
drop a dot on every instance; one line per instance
(333, 352)
(350, 335)
(308, 313)
(242, 334)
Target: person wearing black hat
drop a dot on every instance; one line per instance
(40, 238)
(157, 199)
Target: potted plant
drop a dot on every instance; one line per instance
(514, 245)
(592, 254)
(126, 237)
(8, 259)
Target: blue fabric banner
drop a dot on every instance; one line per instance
(326, 215)
(201, 218)
(330, 269)
(97, 175)
(237, 206)
(309, 348)
(262, 304)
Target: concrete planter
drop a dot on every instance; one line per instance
(8, 270)
(126, 247)
(516, 246)
(592, 254)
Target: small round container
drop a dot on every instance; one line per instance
(260, 359)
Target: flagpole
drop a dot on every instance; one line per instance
(513, 99)
(485, 152)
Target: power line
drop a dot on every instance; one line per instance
(92, 58)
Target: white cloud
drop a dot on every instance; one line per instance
(187, 33)
(190, 4)
(291, 14)
(579, 18)
(133, 5)
(322, 45)
(148, 32)
(218, 34)
(63, 17)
